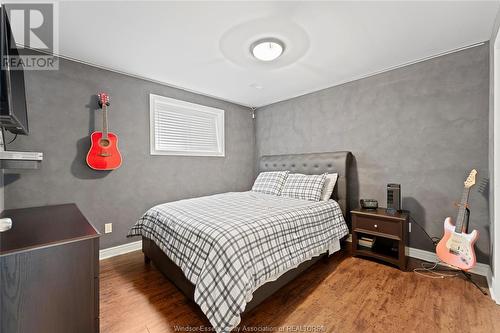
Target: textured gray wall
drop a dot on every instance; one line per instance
(424, 126)
(62, 106)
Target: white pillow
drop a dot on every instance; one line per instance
(270, 182)
(331, 180)
(305, 187)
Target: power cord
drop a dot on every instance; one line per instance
(434, 240)
(429, 270)
(13, 139)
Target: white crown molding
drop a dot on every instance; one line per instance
(374, 73)
(257, 107)
(136, 76)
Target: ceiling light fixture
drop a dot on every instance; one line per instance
(267, 49)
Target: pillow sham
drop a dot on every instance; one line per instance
(330, 181)
(306, 187)
(270, 182)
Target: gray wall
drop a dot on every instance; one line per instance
(63, 112)
(424, 126)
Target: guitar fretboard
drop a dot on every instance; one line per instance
(104, 121)
(462, 210)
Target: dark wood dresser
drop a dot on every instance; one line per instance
(49, 271)
(388, 230)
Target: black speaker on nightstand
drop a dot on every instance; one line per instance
(393, 197)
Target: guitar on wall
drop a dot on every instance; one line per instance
(104, 153)
(456, 248)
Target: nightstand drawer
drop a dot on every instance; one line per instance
(378, 225)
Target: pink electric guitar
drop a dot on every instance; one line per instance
(456, 248)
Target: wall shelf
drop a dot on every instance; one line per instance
(18, 159)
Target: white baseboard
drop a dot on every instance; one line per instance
(120, 249)
(479, 269)
(490, 279)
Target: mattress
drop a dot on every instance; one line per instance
(230, 244)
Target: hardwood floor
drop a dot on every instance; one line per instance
(341, 294)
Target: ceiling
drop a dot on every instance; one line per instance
(204, 46)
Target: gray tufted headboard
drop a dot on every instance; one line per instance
(315, 163)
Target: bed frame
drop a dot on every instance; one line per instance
(314, 163)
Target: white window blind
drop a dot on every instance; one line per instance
(182, 128)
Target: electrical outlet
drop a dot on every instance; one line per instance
(108, 227)
(409, 227)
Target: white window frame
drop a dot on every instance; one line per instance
(219, 113)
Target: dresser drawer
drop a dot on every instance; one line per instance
(378, 225)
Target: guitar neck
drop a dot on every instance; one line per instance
(104, 121)
(462, 211)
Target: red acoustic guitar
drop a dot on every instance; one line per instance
(104, 153)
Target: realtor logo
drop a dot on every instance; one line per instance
(29, 34)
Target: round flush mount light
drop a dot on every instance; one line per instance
(238, 43)
(267, 49)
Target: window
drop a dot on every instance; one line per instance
(182, 128)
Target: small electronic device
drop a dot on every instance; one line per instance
(13, 106)
(393, 197)
(13, 109)
(368, 203)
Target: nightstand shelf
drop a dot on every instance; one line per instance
(390, 233)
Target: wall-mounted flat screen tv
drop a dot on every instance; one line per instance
(13, 110)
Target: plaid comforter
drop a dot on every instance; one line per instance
(230, 244)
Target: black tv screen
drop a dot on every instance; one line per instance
(13, 110)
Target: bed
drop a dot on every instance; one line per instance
(229, 252)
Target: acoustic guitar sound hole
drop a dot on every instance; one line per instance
(104, 142)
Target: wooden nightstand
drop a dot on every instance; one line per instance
(389, 231)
